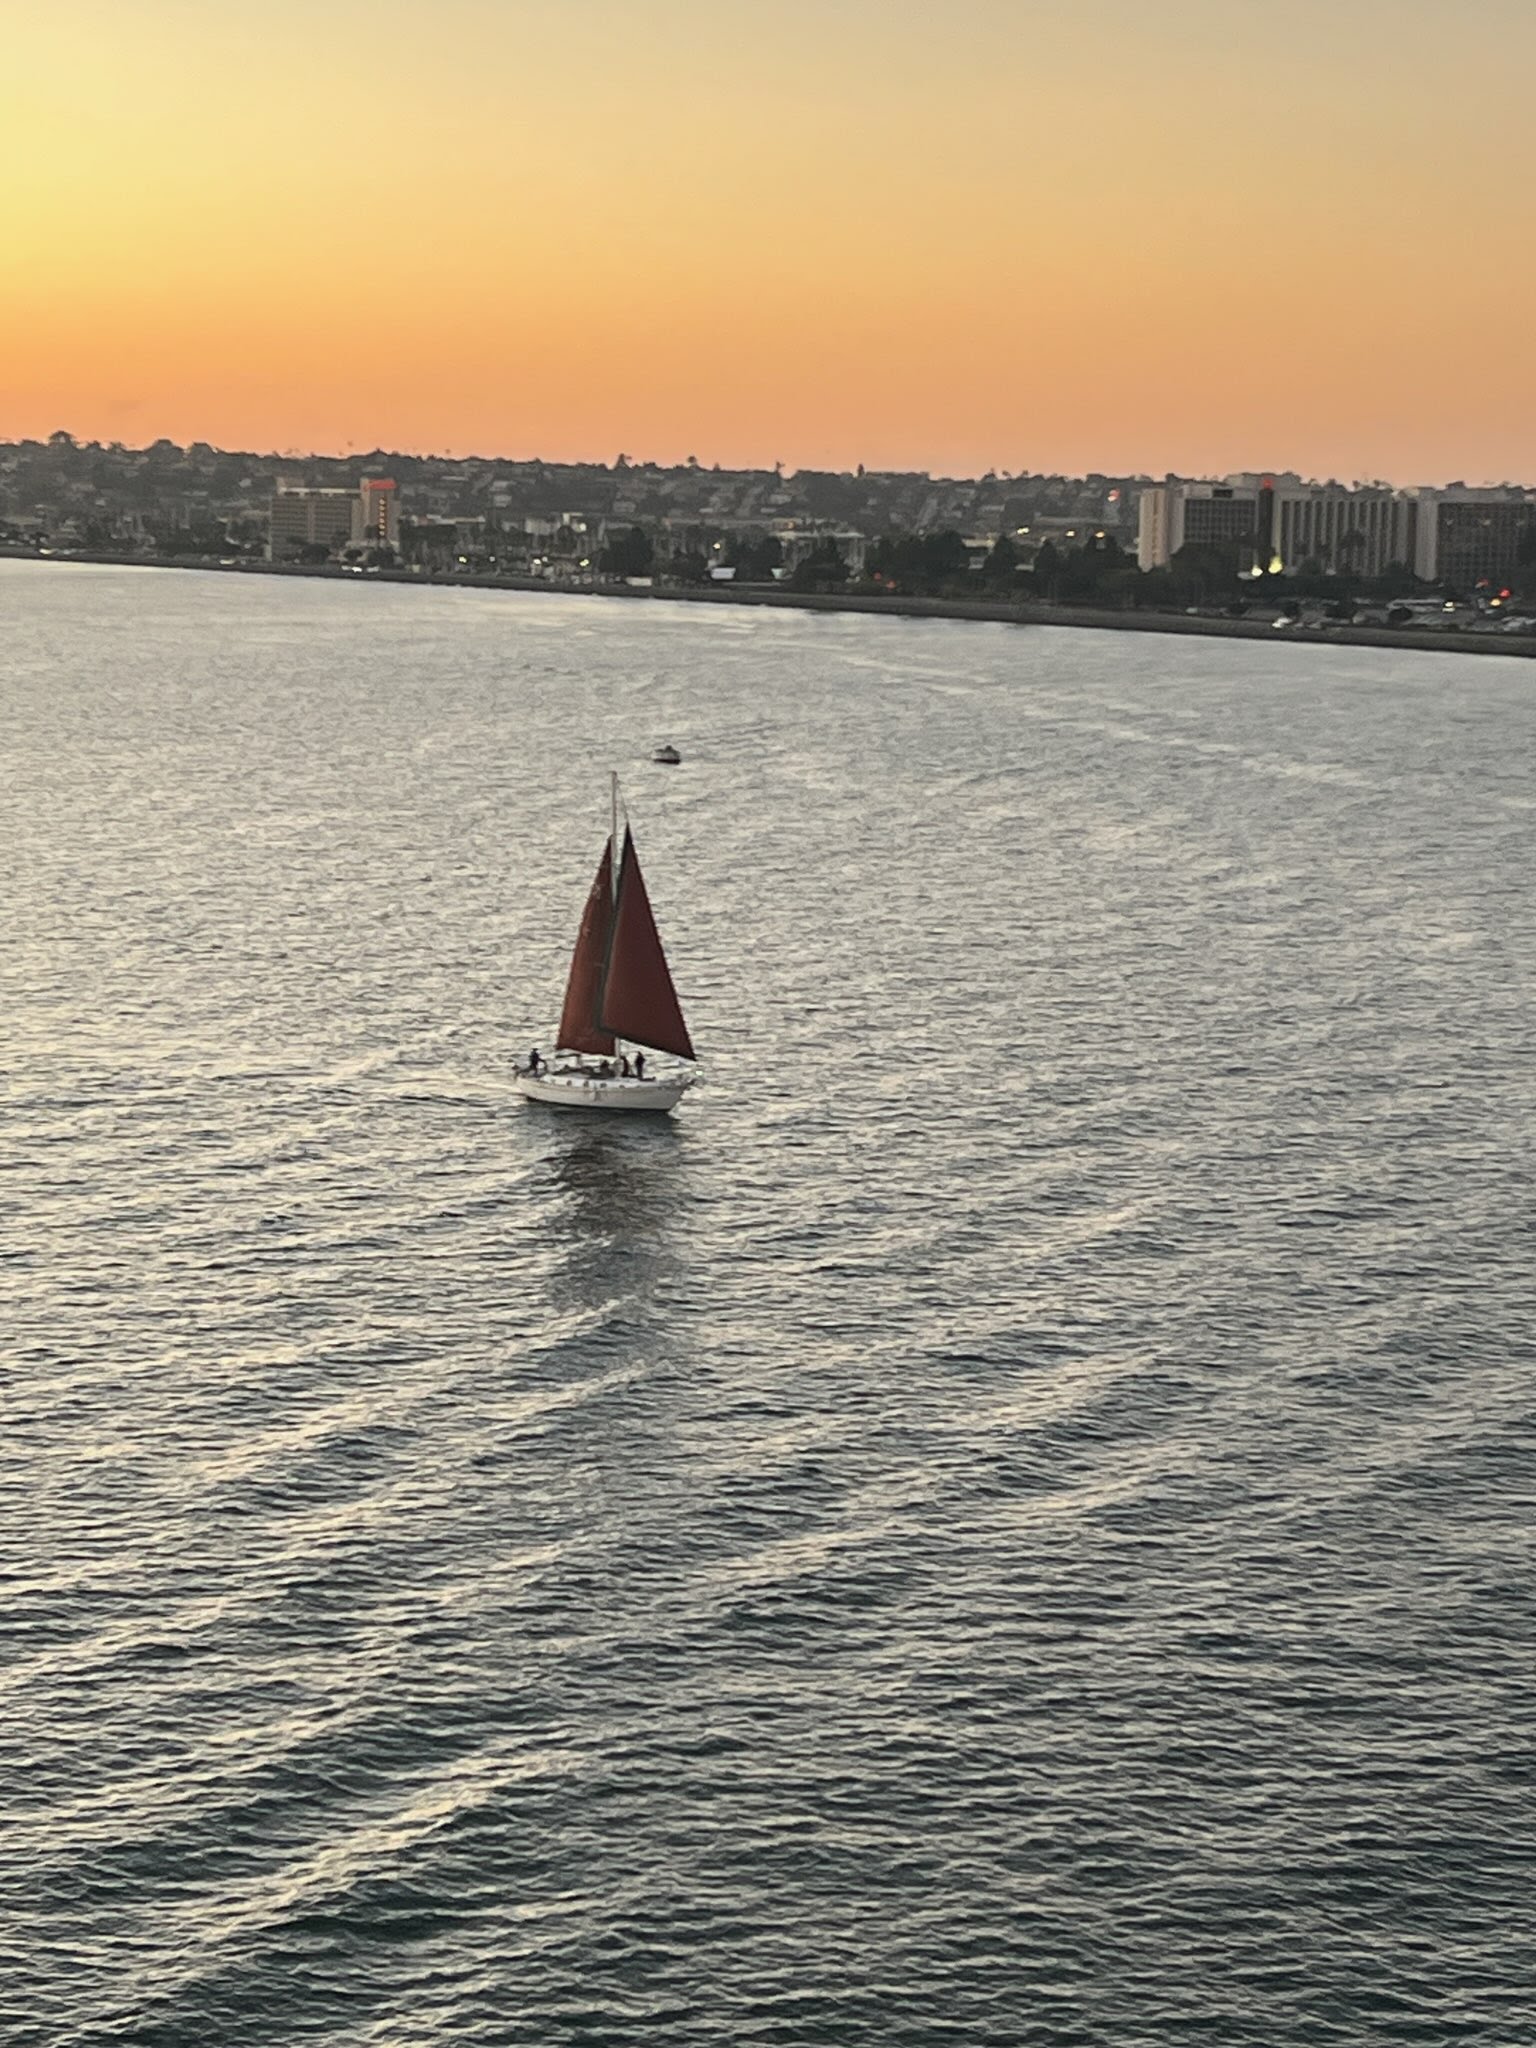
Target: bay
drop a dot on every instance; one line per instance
(1008, 1520)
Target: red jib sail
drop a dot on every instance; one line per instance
(580, 1030)
(638, 1000)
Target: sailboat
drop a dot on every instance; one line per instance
(619, 992)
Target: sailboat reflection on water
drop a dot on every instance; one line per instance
(619, 993)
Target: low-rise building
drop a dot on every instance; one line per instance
(800, 538)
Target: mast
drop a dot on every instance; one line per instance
(613, 855)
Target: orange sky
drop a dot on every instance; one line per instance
(1196, 235)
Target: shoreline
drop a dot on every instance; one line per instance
(776, 597)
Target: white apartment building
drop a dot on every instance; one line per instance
(1359, 533)
(1280, 524)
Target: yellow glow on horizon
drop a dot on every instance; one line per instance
(829, 234)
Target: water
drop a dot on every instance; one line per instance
(1007, 1521)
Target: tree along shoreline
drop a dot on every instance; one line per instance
(778, 597)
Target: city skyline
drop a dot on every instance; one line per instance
(821, 237)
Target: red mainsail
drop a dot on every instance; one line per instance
(580, 1030)
(638, 1001)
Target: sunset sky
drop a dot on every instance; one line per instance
(1196, 235)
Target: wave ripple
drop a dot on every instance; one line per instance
(1009, 1521)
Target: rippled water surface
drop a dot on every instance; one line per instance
(1008, 1520)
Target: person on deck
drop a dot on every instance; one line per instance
(639, 1066)
(535, 1062)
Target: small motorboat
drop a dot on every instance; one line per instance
(668, 757)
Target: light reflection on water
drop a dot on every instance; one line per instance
(1007, 1519)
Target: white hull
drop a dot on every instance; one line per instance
(572, 1089)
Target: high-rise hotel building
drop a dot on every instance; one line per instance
(1470, 537)
(305, 515)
